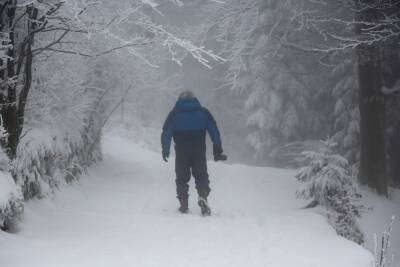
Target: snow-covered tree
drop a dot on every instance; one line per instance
(327, 181)
(374, 27)
(283, 97)
(21, 22)
(308, 45)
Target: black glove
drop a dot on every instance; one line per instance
(220, 157)
(217, 151)
(165, 156)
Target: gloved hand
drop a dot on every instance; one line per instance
(217, 151)
(165, 156)
(220, 157)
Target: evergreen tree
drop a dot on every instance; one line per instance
(327, 181)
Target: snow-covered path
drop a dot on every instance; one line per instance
(123, 213)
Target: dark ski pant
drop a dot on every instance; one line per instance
(187, 164)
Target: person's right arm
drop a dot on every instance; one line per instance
(215, 136)
(166, 135)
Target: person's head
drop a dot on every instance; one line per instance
(186, 95)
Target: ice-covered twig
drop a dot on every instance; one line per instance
(381, 250)
(170, 40)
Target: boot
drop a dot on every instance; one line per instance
(184, 206)
(205, 209)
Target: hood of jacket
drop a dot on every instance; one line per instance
(187, 104)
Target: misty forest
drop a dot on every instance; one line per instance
(107, 108)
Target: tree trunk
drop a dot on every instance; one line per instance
(27, 54)
(372, 112)
(20, 58)
(10, 120)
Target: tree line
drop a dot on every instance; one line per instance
(312, 70)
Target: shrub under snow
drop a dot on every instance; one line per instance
(48, 158)
(327, 181)
(10, 201)
(11, 205)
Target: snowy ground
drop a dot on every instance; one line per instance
(123, 213)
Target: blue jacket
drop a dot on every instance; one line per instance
(187, 123)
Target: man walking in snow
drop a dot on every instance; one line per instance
(187, 123)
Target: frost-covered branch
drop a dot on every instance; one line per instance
(381, 249)
(331, 21)
(155, 34)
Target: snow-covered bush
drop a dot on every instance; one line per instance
(327, 181)
(49, 158)
(11, 204)
(381, 257)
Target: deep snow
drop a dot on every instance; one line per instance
(123, 213)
